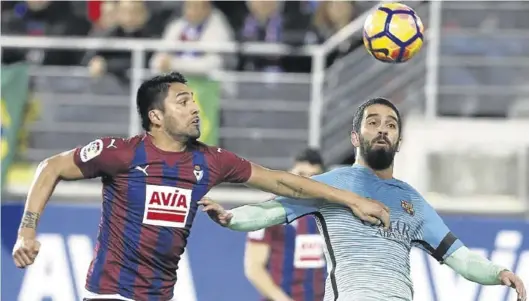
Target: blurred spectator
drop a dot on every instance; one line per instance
(329, 18)
(264, 23)
(43, 18)
(107, 18)
(133, 21)
(200, 22)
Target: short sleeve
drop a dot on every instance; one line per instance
(104, 156)
(262, 235)
(436, 239)
(296, 208)
(233, 169)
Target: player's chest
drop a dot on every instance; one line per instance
(405, 218)
(165, 195)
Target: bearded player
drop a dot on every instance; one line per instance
(368, 263)
(151, 185)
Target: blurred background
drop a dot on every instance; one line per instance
(271, 78)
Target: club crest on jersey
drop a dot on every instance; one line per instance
(408, 207)
(166, 206)
(198, 172)
(91, 150)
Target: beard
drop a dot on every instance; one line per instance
(378, 158)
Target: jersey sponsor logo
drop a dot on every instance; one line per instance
(91, 150)
(398, 230)
(309, 252)
(166, 206)
(408, 207)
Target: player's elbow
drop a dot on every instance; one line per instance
(49, 167)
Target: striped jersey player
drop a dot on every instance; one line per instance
(296, 261)
(286, 262)
(152, 186)
(365, 262)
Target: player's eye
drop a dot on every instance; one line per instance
(392, 126)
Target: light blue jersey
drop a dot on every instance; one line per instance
(368, 263)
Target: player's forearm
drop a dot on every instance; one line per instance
(293, 186)
(257, 216)
(474, 267)
(263, 282)
(46, 178)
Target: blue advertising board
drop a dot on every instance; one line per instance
(212, 269)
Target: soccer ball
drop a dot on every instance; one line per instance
(393, 33)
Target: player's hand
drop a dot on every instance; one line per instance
(508, 278)
(371, 211)
(25, 250)
(216, 212)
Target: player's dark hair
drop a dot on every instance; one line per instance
(310, 155)
(151, 94)
(359, 114)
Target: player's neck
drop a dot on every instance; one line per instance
(385, 174)
(167, 143)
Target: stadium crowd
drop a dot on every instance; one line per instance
(294, 23)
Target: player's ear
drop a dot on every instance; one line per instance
(155, 116)
(355, 140)
(398, 144)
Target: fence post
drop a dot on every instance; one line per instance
(316, 97)
(136, 78)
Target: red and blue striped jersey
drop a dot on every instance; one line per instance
(296, 259)
(149, 203)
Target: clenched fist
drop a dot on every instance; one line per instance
(25, 251)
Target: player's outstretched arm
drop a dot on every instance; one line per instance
(476, 268)
(246, 218)
(101, 156)
(288, 185)
(48, 174)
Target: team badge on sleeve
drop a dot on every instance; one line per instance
(91, 150)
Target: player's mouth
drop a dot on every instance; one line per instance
(381, 142)
(195, 121)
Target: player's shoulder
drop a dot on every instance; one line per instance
(407, 186)
(208, 149)
(109, 144)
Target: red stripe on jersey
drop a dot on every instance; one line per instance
(115, 226)
(166, 217)
(277, 253)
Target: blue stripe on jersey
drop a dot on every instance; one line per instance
(308, 281)
(128, 271)
(288, 259)
(201, 187)
(165, 235)
(99, 261)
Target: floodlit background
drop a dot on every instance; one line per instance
(70, 70)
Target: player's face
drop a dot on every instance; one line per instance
(180, 116)
(305, 169)
(379, 136)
